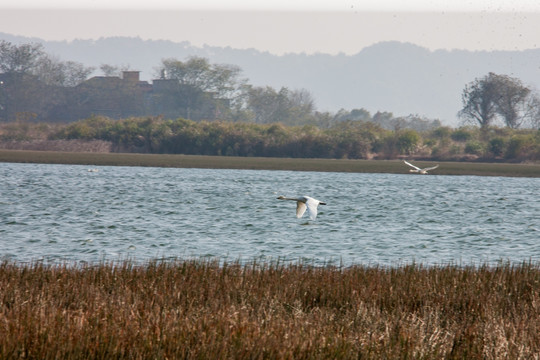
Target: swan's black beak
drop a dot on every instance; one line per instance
(321, 203)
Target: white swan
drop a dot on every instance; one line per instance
(303, 203)
(423, 171)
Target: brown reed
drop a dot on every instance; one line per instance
(204, 309)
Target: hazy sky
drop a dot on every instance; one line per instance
(281, 26)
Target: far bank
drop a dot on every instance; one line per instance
(260, 163)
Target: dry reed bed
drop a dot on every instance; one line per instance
(203, 309)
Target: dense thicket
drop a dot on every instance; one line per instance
(345, 139)
(349, 140)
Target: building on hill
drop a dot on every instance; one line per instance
(112, 96)
(24, 97)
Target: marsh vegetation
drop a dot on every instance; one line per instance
(343, 140)
(204, 309)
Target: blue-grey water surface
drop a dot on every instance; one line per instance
(69, 214)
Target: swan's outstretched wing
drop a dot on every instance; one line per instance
(431, 168)
(312, 207)
(411, 165)
(301, 209)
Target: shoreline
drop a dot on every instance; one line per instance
(260, 163)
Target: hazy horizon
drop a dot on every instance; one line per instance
(347, 27)
(303, 27)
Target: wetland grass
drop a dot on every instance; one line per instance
(207, 310)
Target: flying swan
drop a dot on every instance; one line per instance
(423, 171)
(303, 203)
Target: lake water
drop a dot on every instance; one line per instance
(64, 213)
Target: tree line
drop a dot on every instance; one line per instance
(33, 83)
(217, 112)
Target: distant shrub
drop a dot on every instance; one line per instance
(474, 148)
(430, 142)
(442, 132)
(407, 141)
(455, 150)
(496, 146)
(461, 135)
(520, 146)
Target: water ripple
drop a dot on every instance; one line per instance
(63, 212)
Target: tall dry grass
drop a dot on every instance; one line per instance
(203, 309)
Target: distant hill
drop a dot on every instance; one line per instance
(396, 77)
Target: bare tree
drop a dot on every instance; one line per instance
(75, 73)
(513, 103)
(199, 73)
(19, 59)
(264, 104)
(216, 88)
(479, 100)
(533, 118)
(33, 82)
(291, 107)
(113, 70)
(500, 96)
(55, 72)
